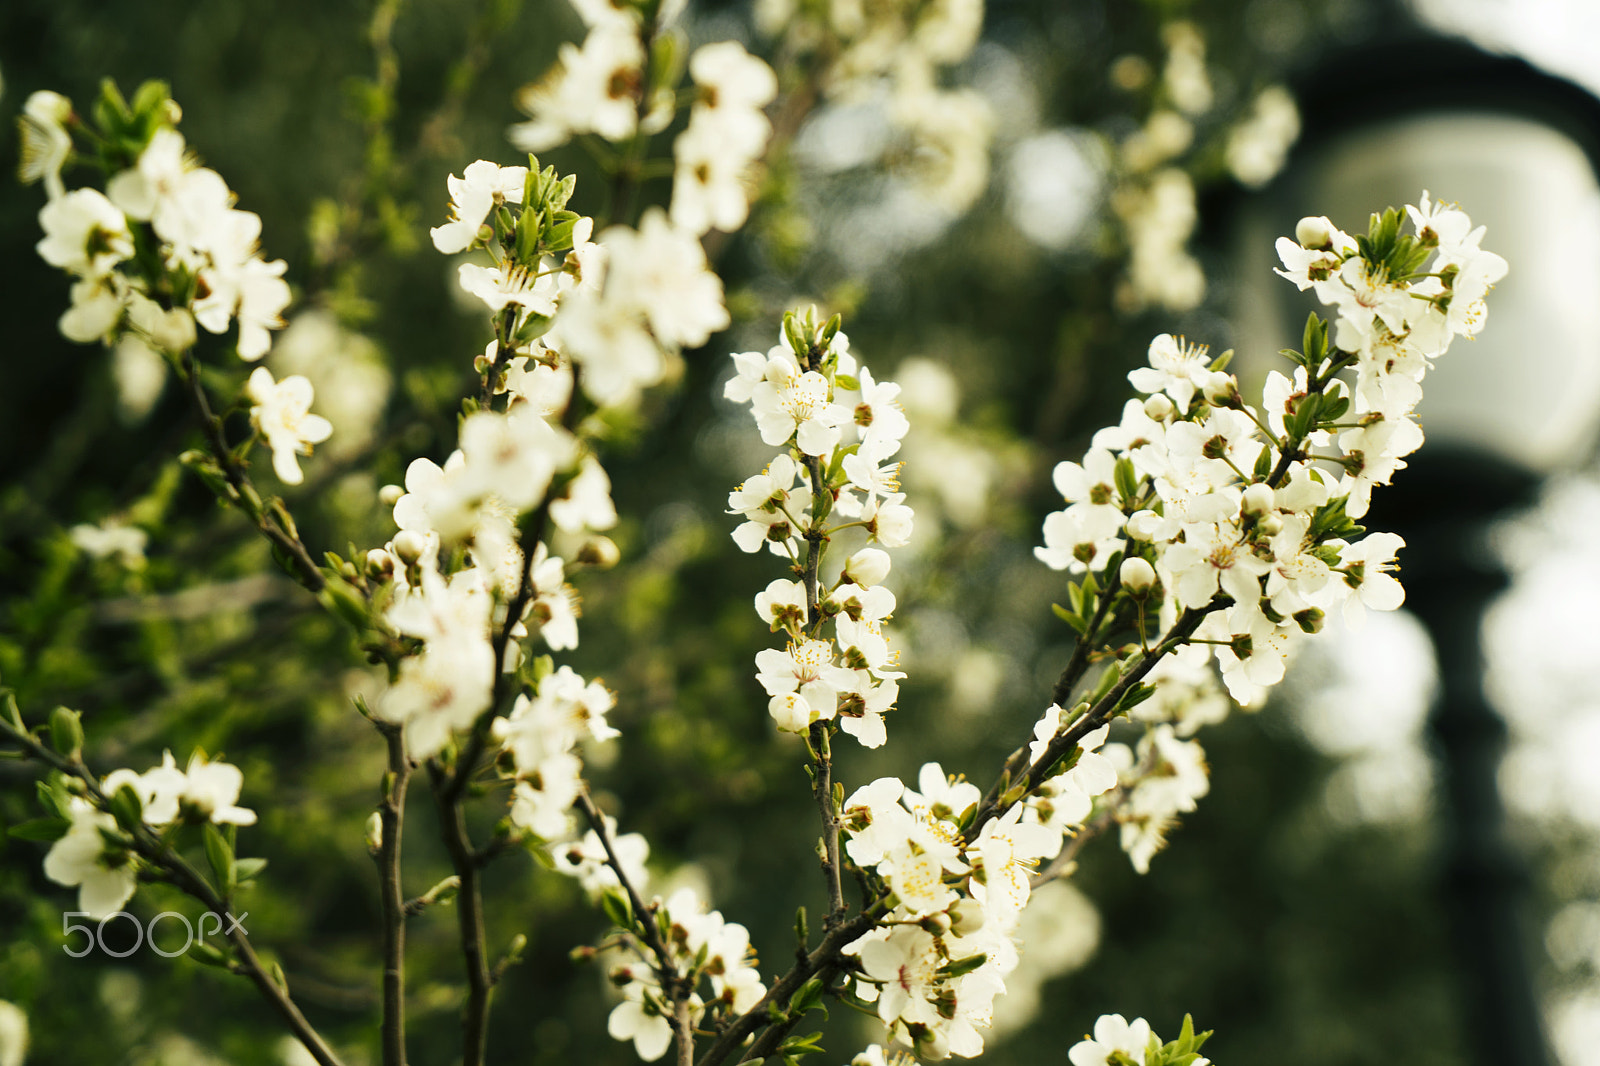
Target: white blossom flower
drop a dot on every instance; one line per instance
(126, 543)
(157, 176)
(13, 1034)
(1113, 1035)
(592, 89)
(481, 187)
(281, 413)
(45, 142)
(84, 234)
(662, 270)
(104, 876)
(211, 789)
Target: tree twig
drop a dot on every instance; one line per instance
(245, 496)
(391, 812)
(676, 985)
(469, 914)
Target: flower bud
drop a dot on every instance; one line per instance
(1310, 619)
(937, 924)
(380, 565)
(389, 495)
(1137, 576)
(1258, 499)
(1159, 407)
(1314, 232)
(599, 552)
(867, 567)
(1223, 390)
(966, 917)
(375, 833)
(1270, 524)
(410, 546)
(1142, 524)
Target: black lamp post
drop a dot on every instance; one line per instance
(1520, 150)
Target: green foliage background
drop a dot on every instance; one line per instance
(1296, 940)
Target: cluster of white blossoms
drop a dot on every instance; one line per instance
(704, 951)
(599, 87)
(1165, 778)
(1228, 529)
(936, 960)
(840, 429)
(893, 55)
(727, 132)
(607, 87)
(1155, 194)
(541, 734)
(95, 854)
(205, 267)
(509, 462)
(161, 250)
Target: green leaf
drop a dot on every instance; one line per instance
(617, 909)
(1263, 468)
(41, 829)
(127, 808)
(1314, 340)
(54, 798)
(1133, 697)
(220, 855)
(13, 714)
(845, 381)
(1108, 679)
(1304, 417)
(961, 967)
(805, 997)
(249, 869)
(1076, 621)
(1127, 479)
(208, 955)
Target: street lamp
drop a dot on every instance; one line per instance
(1520, 150)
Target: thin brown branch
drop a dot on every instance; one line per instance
(676, 985)
(996, 803)
(822, 789)
(824, 960)
(469, 914)
(391, 812)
